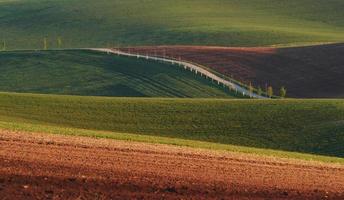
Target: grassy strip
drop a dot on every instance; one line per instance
(305, 126)
(26, 127)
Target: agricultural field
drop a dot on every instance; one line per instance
(85, 23)
(172, 99)
(306, 72)
(73, 167)
(270, 140)
(84, 72)
(307, 126)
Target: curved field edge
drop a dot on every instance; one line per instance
(26, 128)
(304, 126)
(158, 51)
(306, 72)
(92, 73)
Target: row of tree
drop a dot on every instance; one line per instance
(269, 92)
(45, 44)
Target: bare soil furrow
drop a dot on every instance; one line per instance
(39, 166)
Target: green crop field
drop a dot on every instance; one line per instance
(250, 86)
(304, 126)
(89, 23)
(83, 72)
(211, 119)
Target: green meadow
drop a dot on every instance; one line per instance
(86, 23)
(90, 73)
(304, 126)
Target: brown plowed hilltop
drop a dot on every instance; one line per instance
(38, 166)
(313, 71)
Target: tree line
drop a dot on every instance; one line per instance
(269, 91)
(44, 43)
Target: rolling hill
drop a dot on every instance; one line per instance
(307, 72)
(146, 99)
(306, 126)
(84, 72)
(86, 23)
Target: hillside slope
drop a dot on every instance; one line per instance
(83, 72)
(89, 23)
(307, 126)
(306, 72)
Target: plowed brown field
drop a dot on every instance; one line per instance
(39, 166)
(314, 71)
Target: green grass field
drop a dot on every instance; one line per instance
(88, 23)
(83, 72)
(304, 126)
(307, 129)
